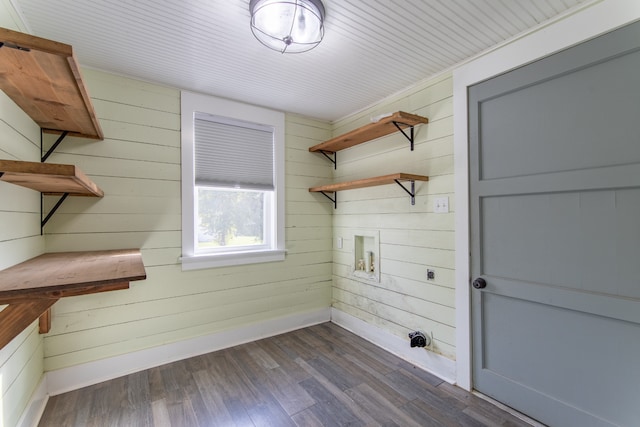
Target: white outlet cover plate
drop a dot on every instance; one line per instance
(441, 205)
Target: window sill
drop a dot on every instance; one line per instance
(199, 262)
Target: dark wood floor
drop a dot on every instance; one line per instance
(318, 376)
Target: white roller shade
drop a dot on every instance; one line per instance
(233, 153)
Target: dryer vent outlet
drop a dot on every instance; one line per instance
(418, 339)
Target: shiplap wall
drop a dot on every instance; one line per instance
(138, 167)
(412, 238)
(21, 363)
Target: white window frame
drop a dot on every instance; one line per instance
(192, 103)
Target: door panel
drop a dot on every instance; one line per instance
(577, 239)
(518, 126)
(555, 232)
(597, 381)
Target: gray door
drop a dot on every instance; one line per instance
(555, 234)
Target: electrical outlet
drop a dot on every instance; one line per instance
(339, 242)
(441, 205)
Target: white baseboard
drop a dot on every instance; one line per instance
(33, 412)
(431, 362)
(78, 376)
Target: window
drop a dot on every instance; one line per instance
(232, 183)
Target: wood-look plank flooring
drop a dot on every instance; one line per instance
(318, 376)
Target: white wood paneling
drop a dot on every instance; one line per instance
(10, 18)
(412, 238)
(371, 49)
(20, 370)
(21, 360)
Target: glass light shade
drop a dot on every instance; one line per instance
(288, 26)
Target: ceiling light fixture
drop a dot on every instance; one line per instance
(288, 26)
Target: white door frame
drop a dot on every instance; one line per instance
(593, 19)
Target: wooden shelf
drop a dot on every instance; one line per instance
(49, 178)
(396, 178)
(32, 287)
(63, 274)
(371, 131)
(368, 182)
(43, 77)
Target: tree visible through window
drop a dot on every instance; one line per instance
(230, 217)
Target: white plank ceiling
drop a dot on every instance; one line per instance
(372, 48)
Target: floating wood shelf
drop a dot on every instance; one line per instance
(371, 182)
(49, 178)
(43, 77)
(32, 287)
(385, 126)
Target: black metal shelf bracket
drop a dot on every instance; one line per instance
(52, 211)
(53, 147)
(333, 160)
(411, 193)
(410, 136)
(334, 199)
(14, 46)
(42, 160)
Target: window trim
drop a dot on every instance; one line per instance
(192, 103)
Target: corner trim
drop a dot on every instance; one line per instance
(35, 408)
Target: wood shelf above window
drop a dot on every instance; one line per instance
(32, 287)
(43, 77)
(385, 126)
(396, 178)
(49, 178)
